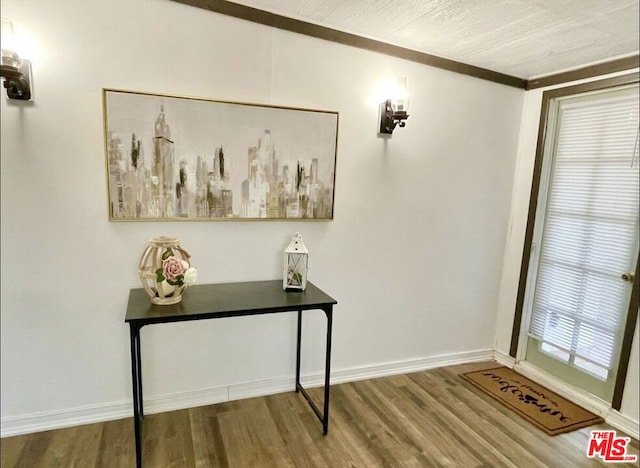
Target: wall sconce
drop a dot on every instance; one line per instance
(15, 71)
(393, 111)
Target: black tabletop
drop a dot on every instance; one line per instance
(226, 300)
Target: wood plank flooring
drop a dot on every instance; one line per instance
(425, 419)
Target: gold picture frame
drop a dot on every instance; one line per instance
(173, 158)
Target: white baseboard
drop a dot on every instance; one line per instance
(182, 400)
(623, 423)
(504, 359)
(260, 388)
(406, 367)
(44, 421)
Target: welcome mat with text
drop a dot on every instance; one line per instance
(542, 407)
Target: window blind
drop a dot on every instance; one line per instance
(591, 229)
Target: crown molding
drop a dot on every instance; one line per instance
(600, 69)
(285, 23)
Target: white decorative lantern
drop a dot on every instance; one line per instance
(296, 265)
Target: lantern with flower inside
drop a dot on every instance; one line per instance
(296, 265)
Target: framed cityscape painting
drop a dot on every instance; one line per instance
(175, 158)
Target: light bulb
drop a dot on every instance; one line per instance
(10, 56)
(400, 98)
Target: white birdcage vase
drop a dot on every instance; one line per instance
(161, 292)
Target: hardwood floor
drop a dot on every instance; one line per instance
(424, 419)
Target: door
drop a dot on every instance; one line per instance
(585, 240)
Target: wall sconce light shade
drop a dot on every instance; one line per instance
(393, 111)
(14, 70)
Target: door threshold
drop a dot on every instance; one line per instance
(580, 397)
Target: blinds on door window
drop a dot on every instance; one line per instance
(591, 223)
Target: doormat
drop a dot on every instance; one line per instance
(540, 406)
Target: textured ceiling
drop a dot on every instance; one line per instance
(522, 38)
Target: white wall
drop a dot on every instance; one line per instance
(414, 255)
(515, 242)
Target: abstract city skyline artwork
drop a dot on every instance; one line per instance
(174, 158)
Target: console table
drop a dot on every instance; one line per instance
(213, 301)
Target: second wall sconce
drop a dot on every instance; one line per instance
(15, 71)
(393, 111)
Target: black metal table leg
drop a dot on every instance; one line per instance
(298, 351)
(139, 368)
(327, 371)
(324, 415)
(134, 332)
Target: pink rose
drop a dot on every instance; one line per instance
(173, 267)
